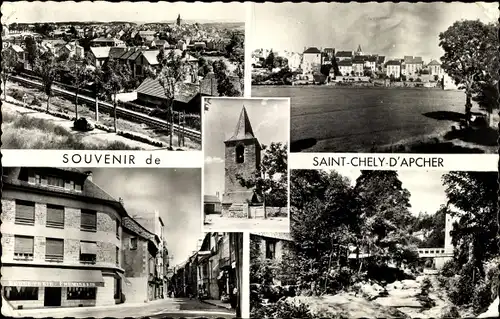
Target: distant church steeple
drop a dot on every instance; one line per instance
(179, 19)
(359, 51)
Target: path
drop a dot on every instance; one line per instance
(170, 307)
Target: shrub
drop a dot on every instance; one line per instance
(449, 268)
(481, 296)
(36, 102)
(281, 309)
(16, 94)
(450, 312)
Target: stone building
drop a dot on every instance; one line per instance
(242, 159)
(61, 240)
(271, 246)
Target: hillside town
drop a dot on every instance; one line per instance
(339, 67)
(119, 68)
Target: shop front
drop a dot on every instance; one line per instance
(37, 287)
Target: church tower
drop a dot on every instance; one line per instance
(179, 20)
(359, 51)
(242, 157)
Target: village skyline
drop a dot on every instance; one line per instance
(106, 12)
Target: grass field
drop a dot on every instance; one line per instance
(22, 131)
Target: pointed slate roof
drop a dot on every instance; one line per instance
(243, 129)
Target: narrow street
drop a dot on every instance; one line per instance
(170, 307)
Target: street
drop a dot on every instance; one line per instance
(171, 307)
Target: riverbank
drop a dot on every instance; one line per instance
(266, 86)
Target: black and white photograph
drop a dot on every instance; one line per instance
(112, 242)
(99, 75)
(381, 244)
(381, 77)
(245, 177)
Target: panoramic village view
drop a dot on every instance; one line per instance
(381, 244)
(106, 79)
(88, 243)
(246, 164)
(405, 77)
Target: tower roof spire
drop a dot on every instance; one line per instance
(243, 127)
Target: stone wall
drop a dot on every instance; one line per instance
(258, 212)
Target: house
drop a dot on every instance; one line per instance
(344, 55)
(413, 65)
(54, 45)
(162, 44)
(154, 224)
(20, 55)
(212, 204)
(99, 55)
(271, 246)
(294, 61)
(61, 239)
(358, 64)
(199, 45)
(393, 68)
(187, 95)
(106, 42)
(371, 63)
(380, 61)
(71, 49)
(181, 45)
(311, 60)
(345, 67)
(435, 68)
(329, 52)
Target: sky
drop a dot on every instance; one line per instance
(269, 118)
(390, 29)
(102, 11)
(426, 188)
(174, 192)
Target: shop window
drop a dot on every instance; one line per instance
(21, 293)
(25, 212)
(23, 248)
(240, 154)
(54, 249)
(81, 293)
(55, 216)
(88, 220)
(133, 243)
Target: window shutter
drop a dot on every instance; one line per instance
(89, 219)
(25, 212)
(88, 248)
(23, 245)
(55, 216)
(54, 248)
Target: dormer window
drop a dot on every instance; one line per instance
(240, 154)
(55, 181)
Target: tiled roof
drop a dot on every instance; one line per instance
(434, 62)
(344, 54)
(117, 52)
(243, 127)
(151, 56)
(100, 52)
(184, 91)
(210, 199)
(393, 62)
(312, 50)
(345, 63)
(280, 236)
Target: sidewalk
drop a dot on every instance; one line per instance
(218, 303)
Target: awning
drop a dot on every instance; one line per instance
(51, 277)
(125, 279)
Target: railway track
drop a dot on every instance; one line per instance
(120, 111)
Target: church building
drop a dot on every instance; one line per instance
(242, 160)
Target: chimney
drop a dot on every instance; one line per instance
(89, 175)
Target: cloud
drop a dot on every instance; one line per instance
(213, 160)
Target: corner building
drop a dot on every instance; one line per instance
(61, 240)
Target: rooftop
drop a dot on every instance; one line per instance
(312, 50)
(243, 127)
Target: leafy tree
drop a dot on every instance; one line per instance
(225, 87)
(80, 75)
(235, 48)
(335, 67)
(325, 69)
(173, 72)
(48, 69)
(433, 227)
(44, 29)
(468, 52)
(403, 78)
(31, 51)
(114, 78)
(270, 180)
(9, 63)
(72, 31)
(385, 212)
(269, 62)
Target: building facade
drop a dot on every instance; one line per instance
(60, 240)
(270, 246)
(393, 68)
(311, 61)
(242, 157)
